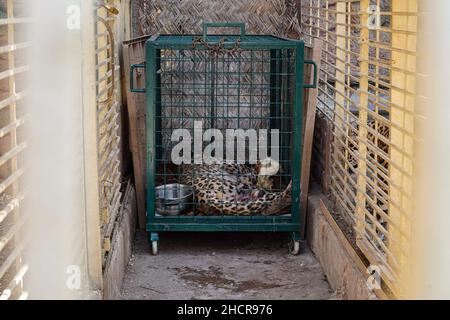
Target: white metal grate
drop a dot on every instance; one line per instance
(367, 88)
(108, 122)
(13, 69)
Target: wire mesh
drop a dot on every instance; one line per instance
(236, 89)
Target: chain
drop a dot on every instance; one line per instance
(219, 47)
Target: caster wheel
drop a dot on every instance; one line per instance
(154, 248)
(294, 247)
(154, 240)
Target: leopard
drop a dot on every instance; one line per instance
(233, 190)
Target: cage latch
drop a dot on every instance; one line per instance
(220, 47)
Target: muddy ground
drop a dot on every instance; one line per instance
(223, 266)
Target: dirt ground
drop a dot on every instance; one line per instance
(223, 266)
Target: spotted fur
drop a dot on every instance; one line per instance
(231, 189)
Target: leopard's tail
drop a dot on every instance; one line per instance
(287, 191)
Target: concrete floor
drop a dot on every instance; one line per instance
(223, 266)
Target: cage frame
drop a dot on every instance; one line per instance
(285, 223)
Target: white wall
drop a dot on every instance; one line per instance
(57, 200)
(430, 238)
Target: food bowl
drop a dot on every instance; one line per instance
(173, 199)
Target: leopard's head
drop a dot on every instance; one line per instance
(266, 169)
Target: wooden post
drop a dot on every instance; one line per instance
(133, 52)
(404, 28)
(362, 130)
(340, 127)
(311, 98)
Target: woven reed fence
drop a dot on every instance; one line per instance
(367, 85)
(279, 17)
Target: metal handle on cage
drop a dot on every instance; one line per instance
(132, 69)
(206, 25)
(314, 84)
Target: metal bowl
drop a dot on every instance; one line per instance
(173, 199)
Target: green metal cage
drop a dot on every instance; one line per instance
(223, 82)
